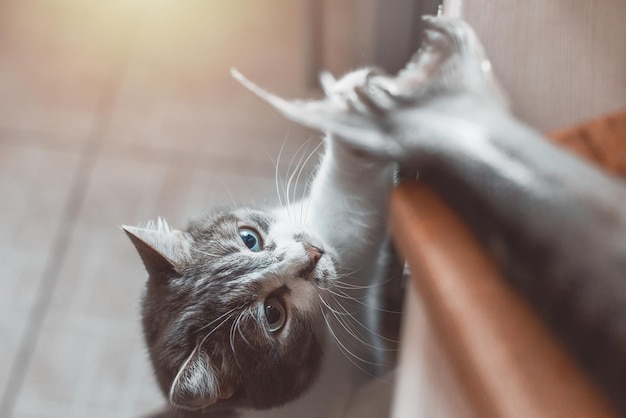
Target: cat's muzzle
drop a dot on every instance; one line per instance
(315, 254)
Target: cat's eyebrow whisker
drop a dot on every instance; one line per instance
(305, 204)
(300, 152)
(311, 154)
(306, 191)
(276, 171)
(301, 163)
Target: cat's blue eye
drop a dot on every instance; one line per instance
(251, 239)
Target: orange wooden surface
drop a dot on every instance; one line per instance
(506, 359)
(601, 141)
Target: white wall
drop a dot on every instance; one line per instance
(562, 62)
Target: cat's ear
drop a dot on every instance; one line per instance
(196, 384)
(161, 248)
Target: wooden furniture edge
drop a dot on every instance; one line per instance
(601, 141)
(509, 363)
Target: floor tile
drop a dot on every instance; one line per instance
(88, 367)
(34, 184)
(12, 328)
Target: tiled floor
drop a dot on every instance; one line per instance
(117, 112)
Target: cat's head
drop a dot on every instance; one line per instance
(231, 311)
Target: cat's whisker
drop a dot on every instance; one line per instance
(347, 353)
(290, 202)
(276, 171)
(369, 330)
(342, 320)
(311, 154)
(344, 295)
(305, 204)
(215, 329)
(302, 220)
(340, 316)
(300, 152)
(202, 328)
(343, 272)
(232, 338)
(304, 211)
(247, 312)
(353, 287)
(331, 308)
(376, 334)
(339, 284)
(350, 286)
(304, 164)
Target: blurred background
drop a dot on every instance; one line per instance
(116, 112)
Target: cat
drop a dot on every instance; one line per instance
(237, 310)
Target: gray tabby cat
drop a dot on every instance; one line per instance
(233, 309)
(236, 312)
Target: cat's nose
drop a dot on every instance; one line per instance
(314, 254)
